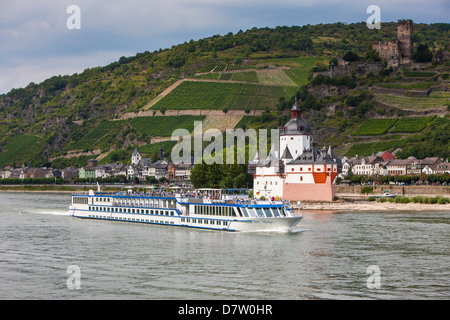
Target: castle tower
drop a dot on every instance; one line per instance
(405, 39)
(296, 134)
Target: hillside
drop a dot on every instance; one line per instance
(68, 119)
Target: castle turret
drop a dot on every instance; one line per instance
(405, 39)
(296, 134)
(296, 113)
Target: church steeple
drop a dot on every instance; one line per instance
(161, 153)
(296, 113)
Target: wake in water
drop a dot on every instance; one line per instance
(55, 212)
(298, 230)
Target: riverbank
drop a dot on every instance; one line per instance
(360, 205)
(343, 204)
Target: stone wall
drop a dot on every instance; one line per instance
(410, 191)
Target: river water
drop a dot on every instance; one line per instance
(46, 254)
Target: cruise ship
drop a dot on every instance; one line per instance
(214, 209)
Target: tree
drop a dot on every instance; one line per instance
(350, 56)
(372, 55)
(423, 54)
(198, 175)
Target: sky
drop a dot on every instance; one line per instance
(36, 42)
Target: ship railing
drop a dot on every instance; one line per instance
(80, 193)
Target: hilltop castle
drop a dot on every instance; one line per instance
(302, 172)
(400, 51)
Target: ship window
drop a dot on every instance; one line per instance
(268, 213)
(244, 212)
(252, 212)
(260, 212)
(275, 212)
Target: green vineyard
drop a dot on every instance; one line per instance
(374, 127)
(103, 134)
(232, 96)
(20, 149)
(405, 125)
(107, 132)
(163, 126)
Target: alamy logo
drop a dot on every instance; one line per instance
(74, 280)
(74, 20)
(374, 279)
(374, 21)
(214, 153)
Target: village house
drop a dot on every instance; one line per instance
(182, 171)
(440, 168)
(158, 169)
(384, 163)
(70, 174)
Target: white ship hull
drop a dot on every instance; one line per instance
(285, 224)
(171, 211)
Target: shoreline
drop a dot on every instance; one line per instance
(358, 205)
(339, 205)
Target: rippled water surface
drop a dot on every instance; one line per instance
(326, 259)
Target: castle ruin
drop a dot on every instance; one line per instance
(400, 51)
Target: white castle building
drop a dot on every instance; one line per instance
(302, 172)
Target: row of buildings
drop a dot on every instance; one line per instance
(140, 168)
(385, 164)
(381, 164)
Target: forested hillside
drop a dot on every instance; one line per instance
(75, 112)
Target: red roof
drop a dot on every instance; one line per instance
(387, 156)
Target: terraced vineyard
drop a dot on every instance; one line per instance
(231, 96)
(437, 99)
(299, 76)
(247, 76)
(275, 76)
(20, 149)
(163, 126)
(373, 127)
(365, 149)
(405, 125)
(104, 134)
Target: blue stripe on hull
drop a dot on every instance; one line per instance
(156, 223)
